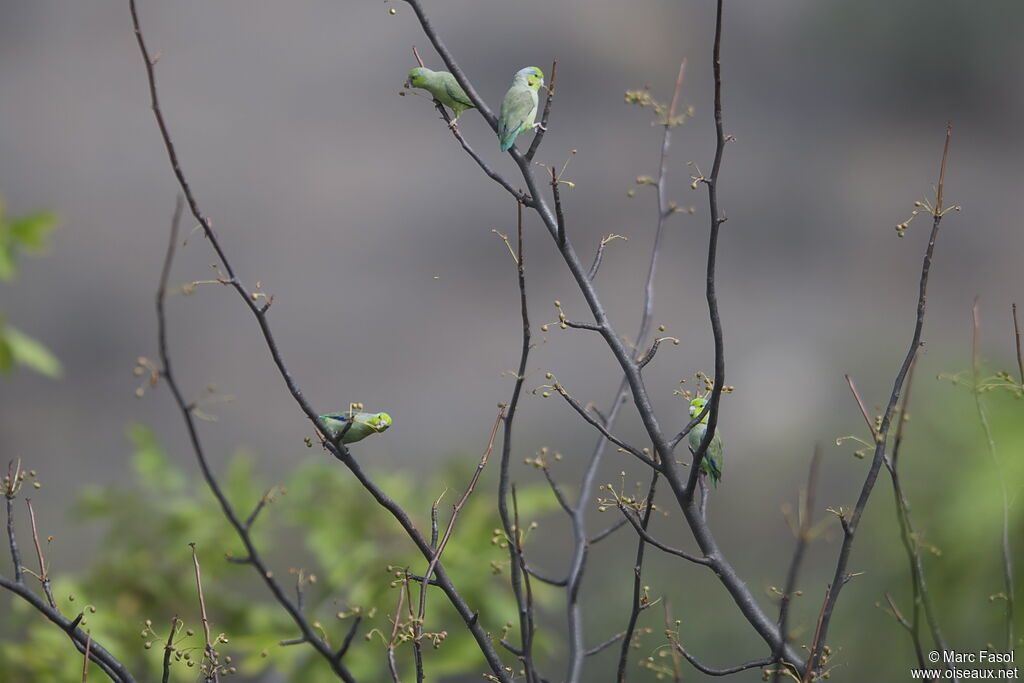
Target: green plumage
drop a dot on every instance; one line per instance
(443, 86)
(519, 108)
(363, 424)
(712, 461)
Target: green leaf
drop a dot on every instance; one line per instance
(151, 463)
(31, 230)
(8, 266)
(28, 352)
(6, 355)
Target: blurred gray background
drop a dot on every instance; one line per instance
(360, 214)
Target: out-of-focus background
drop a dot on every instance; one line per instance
(358, 212)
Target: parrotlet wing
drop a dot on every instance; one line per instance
(454, 96)
(712, 461)
(518, 111)
(363, 424)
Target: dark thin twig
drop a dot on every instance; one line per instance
(649, 354)
(851, 522)
(597, 424)
(727, 671)
(518, 571)
(85, 661)
(710, 293)
(919, 586)
(557, 490)
(599, 256)
(607, 531)
(671, 627)
(863, 410)
(10, 491)
(169, 649)
(167, 373)
(547, 111)
(632, 383)
(640, 526)
(579, 325)
(422, 611)
(97, 653)
(44, 576)
(209, 654)
(339, 451)
(544, 579)
(606, 644)
(556, 194)
(803, 537)
(392, 662)
(1016, 338)
(531, 628)
(347, 642)
(998, 463)
(251, 519)
(637, 604)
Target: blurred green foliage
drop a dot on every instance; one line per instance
(321, 521)
(27, 234)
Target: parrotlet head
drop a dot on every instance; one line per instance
(379, 422)
(696, 406)
(418, 76)
(530, 76)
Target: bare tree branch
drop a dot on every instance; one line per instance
(803, 537)
(44, 575)
(998, 463)
(518, 571)
(97, 653)
(851, 522)
(422, 611)
(12, 485)
(335, 447)
(919, 587)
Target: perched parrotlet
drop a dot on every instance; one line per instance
(712, 461)
(519, 108)
(363, 424)
(443, 86)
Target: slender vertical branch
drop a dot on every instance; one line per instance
(803, 537)
(259, 312)
(44, 576)
(633, 380)
(209, 654)
(13, 484)
(547, 112)
(1000, 473)
(85, 661)
(920, 595)
(517, 573)
(863, 409)
(422, 611)
(851, 521)
(1016, 339)
(709, 291)
(638, 565)
(169, 649)
(97, 653)
(577, 649)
